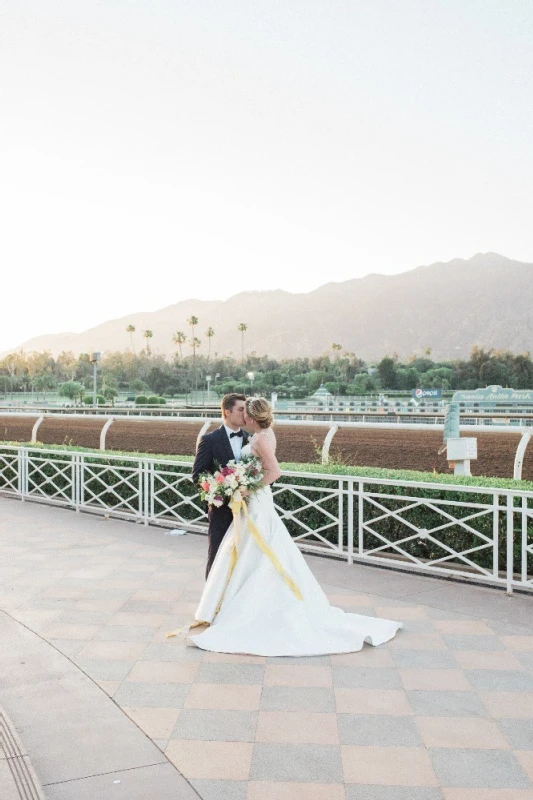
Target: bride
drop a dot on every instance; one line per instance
(272, 604)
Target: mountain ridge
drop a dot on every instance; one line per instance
(448, 306)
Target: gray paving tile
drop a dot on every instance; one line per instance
(427, 659)
(125, 633)
(507, 628)
(296, 762)
(479, 769)
(133, 784)
(231, 673)
(365, 678)
(526, 659)
(221, 790)
(518, 732)
(157, 695)
(392, 793)
(446, 704)
(220, 726)
(500, 680)
(366, 729)
(464, 642)
(172, 650)
(297, 698)
(100, 670)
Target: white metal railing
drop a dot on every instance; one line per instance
(479, 533)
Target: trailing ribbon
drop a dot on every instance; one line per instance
(264, 547)
(236, 507)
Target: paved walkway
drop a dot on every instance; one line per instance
(443, 712)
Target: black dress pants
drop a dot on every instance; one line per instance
(219, 521)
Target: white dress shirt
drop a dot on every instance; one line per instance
(235, 442)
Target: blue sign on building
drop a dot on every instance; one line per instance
(420, 394)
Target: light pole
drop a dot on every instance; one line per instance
(208, 381)
(250, 376)
(94, 359)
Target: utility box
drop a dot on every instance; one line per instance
(461, 449)
(459, 452)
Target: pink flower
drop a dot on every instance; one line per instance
(219, 478)
(205, 486)
(227, 471)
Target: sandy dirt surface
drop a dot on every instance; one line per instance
(16, 429)
(370, 447)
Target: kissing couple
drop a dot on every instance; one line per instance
(260, 596)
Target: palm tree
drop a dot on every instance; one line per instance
(131, 330)
(148, 335)
(209, 333)
(195, 344)
(193, 322)
(179, 338)
(242, 327)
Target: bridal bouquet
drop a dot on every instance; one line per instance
(224, 487)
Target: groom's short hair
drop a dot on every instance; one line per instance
(229, 400)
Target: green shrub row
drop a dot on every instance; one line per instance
(151, 400)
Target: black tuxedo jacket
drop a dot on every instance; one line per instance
(214, 451)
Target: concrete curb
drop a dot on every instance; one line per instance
(18, 781)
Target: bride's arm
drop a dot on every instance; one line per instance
(264, 450)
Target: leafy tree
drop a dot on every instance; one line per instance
(522, 372)
(71, 390)
(387, 373)
(336, 349)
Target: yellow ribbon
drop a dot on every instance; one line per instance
(236, 507)
(263, 546)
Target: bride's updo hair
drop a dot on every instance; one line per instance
(260, 410)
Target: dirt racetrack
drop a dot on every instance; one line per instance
(77, 432)
(16, 429)
(406, 449)
(144, 436)
(391, 448)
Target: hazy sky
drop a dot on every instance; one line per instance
(156, 150)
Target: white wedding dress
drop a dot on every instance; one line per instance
(260, 614)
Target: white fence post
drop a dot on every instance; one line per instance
(360, 517)
(341, 516)
(495, 534)
(81, 481)
(510, 541)
(350, 500)
(525, 515)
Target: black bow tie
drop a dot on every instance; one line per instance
(236, 433)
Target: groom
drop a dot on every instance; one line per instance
(214, 451)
